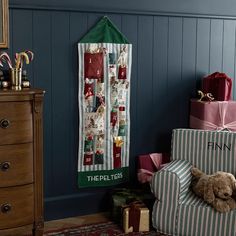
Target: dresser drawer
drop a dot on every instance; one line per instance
(16, 164)
(16, 206)
(15, 122)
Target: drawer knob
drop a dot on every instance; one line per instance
(6, 208)
(5, 166)
(4, 123)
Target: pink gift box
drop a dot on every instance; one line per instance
(215, 115)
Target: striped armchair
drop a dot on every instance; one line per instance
(178, 211)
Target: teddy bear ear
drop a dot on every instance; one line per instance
(232, 180)
(196, 172)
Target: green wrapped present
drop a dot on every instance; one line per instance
(120, 197)
(124, 196)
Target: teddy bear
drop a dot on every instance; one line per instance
(216, 189)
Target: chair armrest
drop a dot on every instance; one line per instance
(171, 183)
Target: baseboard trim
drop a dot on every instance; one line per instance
(59, 207)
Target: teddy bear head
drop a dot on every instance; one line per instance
(223, 184)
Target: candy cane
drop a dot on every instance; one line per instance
(5, 58)
(16, 56)
(30, 54)
(21, 55)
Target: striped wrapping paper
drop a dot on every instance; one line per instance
(177, 211)
(210, 151)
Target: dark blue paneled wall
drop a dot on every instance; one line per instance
(171, 53)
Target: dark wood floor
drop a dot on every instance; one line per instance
(62, 223)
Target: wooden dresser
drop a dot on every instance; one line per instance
(21, 159)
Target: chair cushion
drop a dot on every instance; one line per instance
(195, 217)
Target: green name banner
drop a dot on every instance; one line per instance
(103, 177)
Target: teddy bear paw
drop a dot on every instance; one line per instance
(232, 203)
(221, 206)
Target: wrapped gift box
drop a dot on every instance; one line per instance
(120, 197)
(124, 196)
(215, 115)
(135, 217)
(219, 85)
(149, 164)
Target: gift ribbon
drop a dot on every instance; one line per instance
(207, 125)
(144, 176)
(134, 214)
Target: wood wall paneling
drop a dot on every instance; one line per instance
(61, 114)
(216, 44)
(22, 25)
(42, 69)
(174, 93)
(78, 28)
(144, 84)
(203, 49)
(160, 82)
(228, 49)
(188, 82)
(129, 29)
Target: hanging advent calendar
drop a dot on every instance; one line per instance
(104, 98)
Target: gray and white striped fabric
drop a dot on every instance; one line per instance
(210, 151)
(177, 211)
(108, 163)
(172, 182)
(195, 217)
(169, 186)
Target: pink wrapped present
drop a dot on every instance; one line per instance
(215, 115)
(150, 163)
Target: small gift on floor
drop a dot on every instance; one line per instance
(135, 217)
(149, 164)
(120, 197)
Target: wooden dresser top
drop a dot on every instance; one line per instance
(19, 95)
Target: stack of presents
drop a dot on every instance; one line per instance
(209, 144)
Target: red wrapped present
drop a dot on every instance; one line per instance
(215, 115)
(135, 217)
(150, 163)
(219, 85)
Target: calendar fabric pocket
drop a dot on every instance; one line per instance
(93, 65)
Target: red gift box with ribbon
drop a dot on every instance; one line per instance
(215, 115)
(219, 85)
(135, 217)
(149, 164)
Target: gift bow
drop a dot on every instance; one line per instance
(205, 96)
